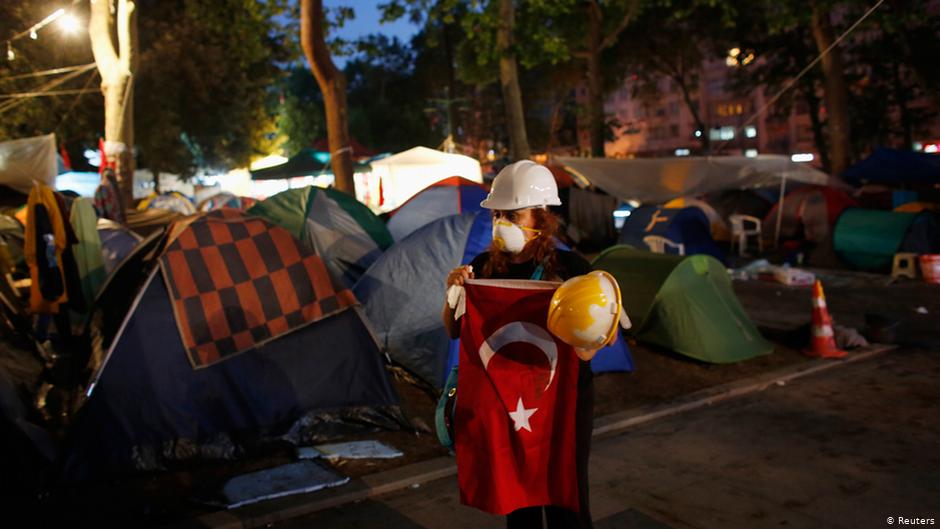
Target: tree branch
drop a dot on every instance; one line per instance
(611, 38)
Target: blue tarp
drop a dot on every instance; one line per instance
(894, 167)
(404, 290)
(688, 226)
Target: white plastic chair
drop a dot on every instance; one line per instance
(742, 227)
(658, 244)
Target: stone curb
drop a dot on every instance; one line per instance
(269, 512)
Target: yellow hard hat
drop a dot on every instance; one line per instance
(585, 310)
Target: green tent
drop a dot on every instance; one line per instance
(344, 232)
(867, 239)
(684, 303)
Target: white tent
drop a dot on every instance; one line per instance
(25, 160)
(659, 180)
(402, 175)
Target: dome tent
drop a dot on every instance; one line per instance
(451, 196)
(344, 232)
(265, 345)
(683, 303)
(688, 226)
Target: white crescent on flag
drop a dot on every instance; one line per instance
(521, 332)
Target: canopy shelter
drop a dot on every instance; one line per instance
(659, 180)
(306, 162)
(450, 196)
(685, 304)
(687, 226)
(398, 177)
(26, 160)
(867, 239)
(203, 366)
(344, 232)
(403, 292)
(895, 168)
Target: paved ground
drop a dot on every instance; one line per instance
(846, 448)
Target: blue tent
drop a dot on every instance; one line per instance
(894, 167)
(688, 226)
(147, 403)
(404, 290)
(451, 196)
(117, 242)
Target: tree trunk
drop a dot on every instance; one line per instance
(705, 138)
(595, 92)
(509, 81)
(333, 85)
(116, 67)
(901, 99)
(819, 137)
(837, 111)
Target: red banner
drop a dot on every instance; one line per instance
(517, 393)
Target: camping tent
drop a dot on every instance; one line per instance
(343, 232)
(451, 196)
(404, 290)
(683, 303)
(867, 239)
(225, 200)
(117, 242)
(25, 160)
(265, 345)
(715, 220)
(894, 167)
(809, 213)
(688, 226)
(398, 177)
(173, 201)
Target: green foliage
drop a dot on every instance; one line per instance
(205, 76)
(300, 118)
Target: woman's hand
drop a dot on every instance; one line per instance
(459, 275)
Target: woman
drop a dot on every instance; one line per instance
(524, 248)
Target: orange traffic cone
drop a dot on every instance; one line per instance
(822, 342)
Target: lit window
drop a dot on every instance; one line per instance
(682, 152)
(726, 133)
(751, 153)
(932, 148)
(802, 157)
(750, 132)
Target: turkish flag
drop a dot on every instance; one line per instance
(517, 393)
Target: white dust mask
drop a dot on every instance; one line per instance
(509, 237)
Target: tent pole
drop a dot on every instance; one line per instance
(780, 204)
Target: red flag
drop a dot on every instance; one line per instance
(515, 413)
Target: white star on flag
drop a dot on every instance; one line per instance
(520, 417)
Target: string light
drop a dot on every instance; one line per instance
(68, 23)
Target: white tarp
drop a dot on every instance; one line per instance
(658, 180)
(25, 160)
(402, 175)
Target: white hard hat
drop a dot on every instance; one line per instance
(521, 185)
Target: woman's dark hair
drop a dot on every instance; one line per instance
(540, 249)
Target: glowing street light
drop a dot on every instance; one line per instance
(69, 24)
